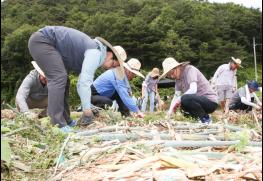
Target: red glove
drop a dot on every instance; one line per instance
(176, 106)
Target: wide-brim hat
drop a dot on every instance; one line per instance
(237, 61)
(134, 66)
(169, 64)
(119, 52)
(155, 72)
(34, 63)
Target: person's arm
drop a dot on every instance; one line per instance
(257, 99)
(23, 92)
(234, 82)
(122, 90)
(175, 101)
(216, 75)
(245, 101)
(90, 63)
(177, 97)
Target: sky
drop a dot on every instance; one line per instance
(246, 3)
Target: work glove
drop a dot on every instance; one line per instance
(178, 104)
(30, 115)
(86, 120)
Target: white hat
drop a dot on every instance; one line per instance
(38, 68)
(169, 64)
(134, 66)
(118, 51)
(155, 72)
(237, 61)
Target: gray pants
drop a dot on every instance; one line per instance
(50, 61)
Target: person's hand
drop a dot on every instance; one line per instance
(258, 107)
(139, 115)
(30, 115)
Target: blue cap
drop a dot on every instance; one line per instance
(253, 85)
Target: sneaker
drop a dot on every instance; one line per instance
(72, 123)
(206, 119)
(66, 129)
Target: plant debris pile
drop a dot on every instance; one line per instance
(114, 148)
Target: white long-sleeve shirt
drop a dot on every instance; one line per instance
(245, 96)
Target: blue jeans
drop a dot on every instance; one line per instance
(145, 100)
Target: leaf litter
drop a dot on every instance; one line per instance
(116, 148)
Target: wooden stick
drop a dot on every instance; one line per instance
(256, 119)
(133, 136)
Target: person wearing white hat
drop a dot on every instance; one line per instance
(225, 82)
(58, 50)
(193, 92)
(150, 89)
(107, 88)
(32, 93)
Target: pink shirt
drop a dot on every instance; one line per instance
(192, 74)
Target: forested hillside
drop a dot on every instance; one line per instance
(205, 34)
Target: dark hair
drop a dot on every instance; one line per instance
(114, 56)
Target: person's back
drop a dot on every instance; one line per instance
(71, 43)
(203, 86)
(104, 84)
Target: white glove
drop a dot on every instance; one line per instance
(30, 115)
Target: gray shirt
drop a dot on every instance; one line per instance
(150, 83)
(71, 44)
(30, 87)
(192, 74)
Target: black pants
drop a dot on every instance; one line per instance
(241, 106)
(197, 106)
(103, 101)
